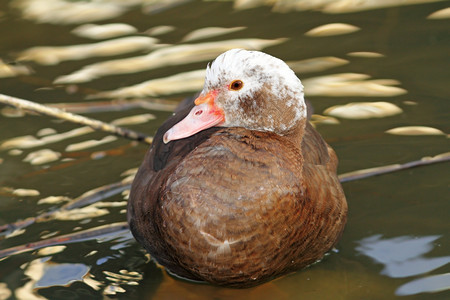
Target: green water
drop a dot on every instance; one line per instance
(396, 243)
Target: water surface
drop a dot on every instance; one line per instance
(396, 243)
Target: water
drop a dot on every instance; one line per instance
(396, 241)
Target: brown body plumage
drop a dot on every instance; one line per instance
(235, 206)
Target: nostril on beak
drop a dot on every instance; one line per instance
(166, 137)
(198, 112)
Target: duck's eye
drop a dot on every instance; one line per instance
(236, 85)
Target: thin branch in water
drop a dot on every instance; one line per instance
(85, 235)
(96, 195)
(61, 114)
(361, 174)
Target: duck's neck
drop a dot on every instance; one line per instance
(296, 133)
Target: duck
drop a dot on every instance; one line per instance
(238, 188)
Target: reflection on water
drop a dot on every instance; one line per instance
(7, 70)
(402, 256)
(70, 12)
(332, 29)
(326, 6)
(43, 273)
(167, 56)
(440, 14)
(106, 31)
(191, 81)
(415, 130)
(210, 32)
(56, 55)
(428, 284)
(351, 85)
(373, 69)
(57, 274)
(405, 257)
(363, 110)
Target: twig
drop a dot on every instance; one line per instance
(85, 235)
(96, 195)
(61, 114)
(360, 174)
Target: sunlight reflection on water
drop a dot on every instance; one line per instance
(429, 284)
(404, 256)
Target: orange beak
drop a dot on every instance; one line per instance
(205, 114)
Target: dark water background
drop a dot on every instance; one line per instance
(396, 243)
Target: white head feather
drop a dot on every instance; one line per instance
(258, 71)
